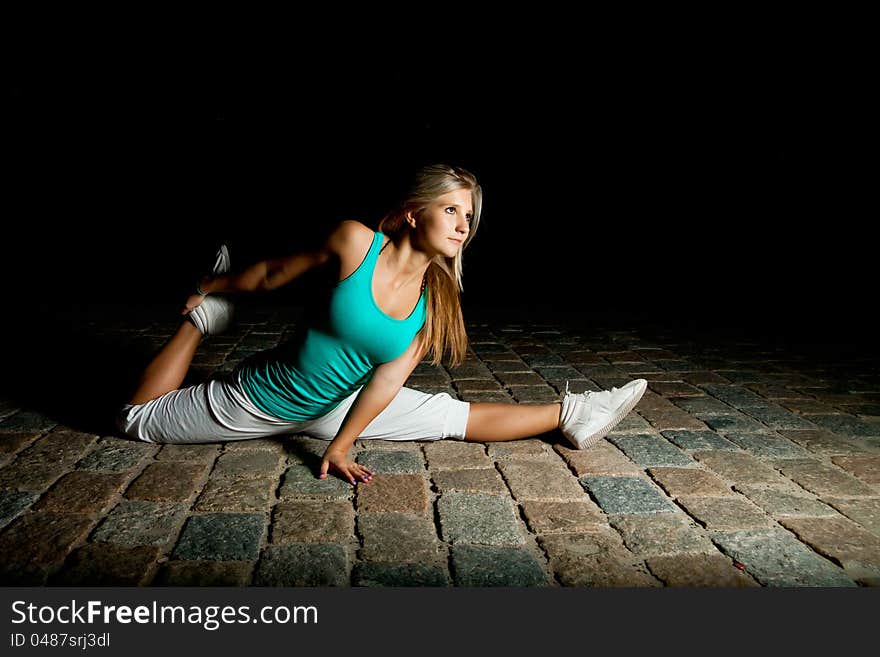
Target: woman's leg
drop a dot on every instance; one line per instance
(491, 422)
(168, 369)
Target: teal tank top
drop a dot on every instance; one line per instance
(308, 377)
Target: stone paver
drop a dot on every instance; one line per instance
(530, 480)
(453, 455)
(168, 482)
(651, 450)
(108, 565)
(866, 468)
(775, 557)
(556, 517)
(823, 480)
(221, 537)
(251, 464)
(399, 574)
(601, 459)
(478, 518)
(841, 540)
(392, 461)
(661, 533)
(530, 448)
(204, 573)
(482, 480)
(116, 455)
(141, 523)
(237, 494)
(764, 445)
(595, 559)
(313, 521)
(482, 565)
(303, 565)
(82, 492)
(402, 493)
(865, 511)
(689, 481)
(738, 467)
(725, 513)
(698, 570)
(34, 542)
(626, 495)
(779, 503)
(12, 503)
(822, 442)
(301, 481)
(698, 440)
(399, 538)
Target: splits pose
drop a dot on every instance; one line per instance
(396, 301)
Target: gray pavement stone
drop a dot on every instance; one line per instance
(595, 559)
(866, 468)
(728, 424)
(661, 533)
(478, 518)
(34, 542)
(108, 565)
(474, 565)
(650, 450)
(27, 421)
(221, 537)
(141, 523)
(277, 445)
(704, 407)
(13, 441)
(847, 426)
(29, 476)
(699, 440)
(303, 565)
(846, 543)
(779, 503)
(313, 521)
(735, 395)
(823, 480)
(823, 442)
(602, 458)
(399, 537)
(60, 448)
(83, 492)
(865, 511)
(169, 481)
(777, 417)
(555, 517)
(689, 481)
(454, 455)
(725, 513)
(12, 503)
(400, 574)
(768, 446)
(237, 494)
(626, 495)
(189, 452)
(739, 467)
(392, 461)
(249, 464)
(394, 493)
(534, 480)
(776, 558)
(698, 570)
(483, 480)
(204, 573)
(116, 455)
(301, 481)
(527, 448)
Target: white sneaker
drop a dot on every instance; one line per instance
(588, 416)
(222, 264)
(213, 315)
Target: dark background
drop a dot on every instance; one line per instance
(713, 189)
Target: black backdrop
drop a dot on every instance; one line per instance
(711, 190)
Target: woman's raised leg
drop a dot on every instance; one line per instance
(491, 421)
(169, 367)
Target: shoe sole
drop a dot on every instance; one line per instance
(622, 412)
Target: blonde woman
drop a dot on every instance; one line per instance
(395, 302)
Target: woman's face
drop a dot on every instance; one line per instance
(445, 223)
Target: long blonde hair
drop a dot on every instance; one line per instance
(444, 326)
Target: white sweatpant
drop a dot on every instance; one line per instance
(219, 410)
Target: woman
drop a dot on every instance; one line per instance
(396, 300)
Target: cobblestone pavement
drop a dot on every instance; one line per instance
(745, 464)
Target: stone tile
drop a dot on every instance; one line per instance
(725, 513)
(313, 521)
(776, 558)
(141, 523)
(596, 559)
(555, 517)
(738, 467)
(478, 518)
(303, 565)
(301, 481)
(866, 468)
(649, 450)
(35, 541)
(841, 540)
(865, 511)
(116, 455)
(277, 445)
(108, 565)
(601, 459)
(29, 476)
(377, 444)
(168, 482)
(779, 503)
(847, 426)
(728, 424)
(768, 446)
(235, 494)
(481, 565)
(27, 421)
(454, 455)
(12, 503)
(205, 573)
(704, 407)
(221, 537)
(735, 395)
(823, 443)
(83, 492)
(661, 533)
(400, 574)
(626, 495)
(250, 464)
(394, 493)
(13, 441)
(531, 480)
(689, 481)
(399, 537)
(528, 448)
(392, 462)
(698, 570)
(823, 480)
(699, 440)
(483, 480)
(56, 451)
(189, 452)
